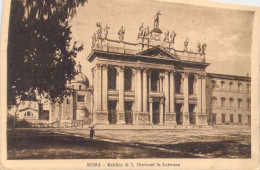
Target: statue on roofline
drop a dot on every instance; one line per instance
(141, 31)
(147, 32)
(199, 47)
(105, 31)
(94, 40)
(186, 43)
(173, 35)
(204, 46)
(166, 36)
(156, 19)
(99, 30)
(121, 33)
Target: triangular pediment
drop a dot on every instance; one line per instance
(159, 52)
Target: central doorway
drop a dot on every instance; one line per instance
(128, 112)
(156, 113)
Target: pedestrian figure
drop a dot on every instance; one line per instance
(92, 131)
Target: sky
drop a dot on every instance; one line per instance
(227, 33)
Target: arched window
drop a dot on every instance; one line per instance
(231, 85)
(231, 101)
(222, 85)
(223, 102)
(214, 101)
(239, 86)
(239, 101)
(68, 101)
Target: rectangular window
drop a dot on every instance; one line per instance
(81, 98)
(231, 118)
(80, 87)
(239, 118)
(223, 118)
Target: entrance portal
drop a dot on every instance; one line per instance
(112, 112)
(156, 113)
(128, 112)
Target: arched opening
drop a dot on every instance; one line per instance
(128, 79)
(112, 73)
(178, 83)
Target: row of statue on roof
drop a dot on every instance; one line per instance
(200, 48)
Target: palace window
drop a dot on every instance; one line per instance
(231, 101)
(239, 101)
(223, 118)
(240, 118)
(248, 103)
(68, 101)
(214, 101)
(248, 87)
(222, 85)
(231, 118)
(239, 86)
(80, 87)
(223, 102)
(231, 85)
(81, 98)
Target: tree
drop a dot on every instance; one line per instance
(41, 55)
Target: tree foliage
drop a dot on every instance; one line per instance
(40, 51)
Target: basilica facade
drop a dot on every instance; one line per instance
(151, 82)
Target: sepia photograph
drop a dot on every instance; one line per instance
(130, 80)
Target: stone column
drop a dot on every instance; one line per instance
(204, 103)
(186, 114)
(138, 97)
(161, 111)
(151, 110)
(161, 86)
(145, 90)
(166, 92)
(98, 87)
(104, 89)
(121, 102)
(150, 82)
(199, 94)
(172, 115)
(133, 80)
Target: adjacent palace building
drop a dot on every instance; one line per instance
(151, 82)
